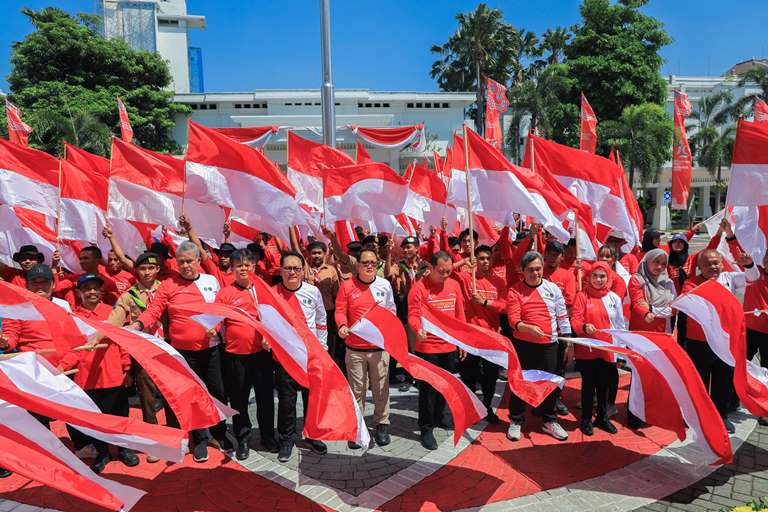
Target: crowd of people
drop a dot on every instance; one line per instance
(533, 289)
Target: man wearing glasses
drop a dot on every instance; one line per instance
(366, 362)
(307, 300)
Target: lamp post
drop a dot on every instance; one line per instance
(326, 93)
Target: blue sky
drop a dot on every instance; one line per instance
(384, 45)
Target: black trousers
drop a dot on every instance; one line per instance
(336, 347)
(433, 409)
(110, 401)
(535, 356)
(287, 396)
(757, 342)
(716, 375)
(206, 364)
(474, 369)
(613, 384)
(243, 373)
(595, 379)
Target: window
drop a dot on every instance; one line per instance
(427, 105)
(263, 105)
(318, 104)
(377, 105)
(168, 23)
(385, 105)
(409, 105)
(213, 106)
(359, 105)
(419, 105)
(247, 105)
(237, 105)
(193, 106)
(309, 104)
(337, 104)
(288, 104)
(446, 105)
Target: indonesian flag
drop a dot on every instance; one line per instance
(751, 230)
(149, 187)
(532, 386)
(428, 198)
(594, 180)
(588, 127)
(345, 232)
(749, 166)
(721, 317)
(31, 382)
(381, 327)
(682, 160)
(20, 226)
(242, 234)
(628, 195)
(28, 178)
(18, 130)
(34, 452)
(497, 188)
(649, 401)
(126, 131)
(357, 192)
(306, 161)
(361, 154)
(761, 111)
(332, 412)
(222, 172)
(254, 136)
(439, 163)
(393, 138)
(712, 225)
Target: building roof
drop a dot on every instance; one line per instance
(744, 66)
(314, 94)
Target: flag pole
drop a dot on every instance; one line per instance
(533, 170)
(469, 212)
(578, 251)
(58, 206)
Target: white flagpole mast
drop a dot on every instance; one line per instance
(326, 93)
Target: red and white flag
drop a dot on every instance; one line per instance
(532, 386)
(21, 226)
(682, 159)
(628, 195)
(28, 178)
(588, 127)
(126, 130)
(361, 154)
(428, 198)
(345, 232)
(381, 328)
(761, 111)
(721, 317)
(254, 136)
(18, 130)
(357, 192)
(749, 166)
(34, 452)
(306, 161)
(751, 230)
(395, 138)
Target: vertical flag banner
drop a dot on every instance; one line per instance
(126, 131)
(761, 111)
(682, 161)
(18, 130)
(588, 138)
(749, 166)
(496, 102)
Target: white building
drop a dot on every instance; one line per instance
(158, 26)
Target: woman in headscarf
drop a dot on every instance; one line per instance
(651, 240)
(596, 308)
(651, 292)
(678, 256)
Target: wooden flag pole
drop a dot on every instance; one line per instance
(469, 212)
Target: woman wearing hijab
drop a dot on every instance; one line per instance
(651, 291)
(678, 256)
(596, 308)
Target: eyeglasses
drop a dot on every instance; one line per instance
(369, 263)
(292, 270)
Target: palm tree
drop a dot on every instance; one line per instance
(80, 128)
(759, 76)
(554, 43)
(483, 45)
(526, 46)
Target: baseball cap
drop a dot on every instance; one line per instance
(409, 240)
(147, 257)
(85, 278)
(40, 271)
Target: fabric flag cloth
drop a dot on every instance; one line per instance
(150, 187)
(682, 159)
(381, 328)
(357, 192)
(588, 127)
(221, 172)
(761, 111)
(361, 154)
(496, 103)
(18, 130)
(749, 166)
(21, 226)
(712, 225)
(34, 452)
(345, 232)
(751, 229)
(254, 136)
(721, 317)
(126, 130)
(332, 412)
(531, 386)
(593, 179)
(428, 198)
(700, 414)
(28, 178)
(306, 161)
(495, 184)
(31, 382)
(628, 195)
(395, 138)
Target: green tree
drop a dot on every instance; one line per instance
(643, 134)
(759, 76)
(553, 44)
(65, 78)
(614, 56)
(483, 45)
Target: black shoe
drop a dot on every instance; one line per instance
(729, 427)
(243, 450)
(286, 449)
(200, 451)
(492, 418)
(270, 444)
(101, 462)
(353, 445)
(607, 425)
(226, 445)
(561, 409)
(128, 457)
(586, 427)
(382, 434)
(4, 473)
(428, 440)
(317, 446)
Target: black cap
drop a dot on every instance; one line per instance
(28, 250)
(85, 278)
(159, 249)
(370, 239)
(409, 240)
(226, 247)
(147, 257)
(354, 246)
(40, 271)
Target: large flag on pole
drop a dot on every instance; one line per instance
(28, 178)
(682, 160)
(588, 127)
(749, 166)
(126, 130)
(18, 130)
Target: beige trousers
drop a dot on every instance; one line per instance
(364, 367)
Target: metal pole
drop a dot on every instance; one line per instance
(326, 93)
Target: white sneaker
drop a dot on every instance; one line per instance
(513, 432)
(87, 452)
(554, 429)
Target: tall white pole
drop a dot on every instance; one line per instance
(326, 93)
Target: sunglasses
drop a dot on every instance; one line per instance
(292, 270)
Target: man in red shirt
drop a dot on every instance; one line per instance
(199, 346)
(103, 373)
(90, 263)
(247, 362)
(122, 278)
(484, 304)
(444, 293)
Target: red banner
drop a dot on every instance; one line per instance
(682, 161)
(126, 130)
(496, 102)
(761, 111)
(18, 130)
(588, 139)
